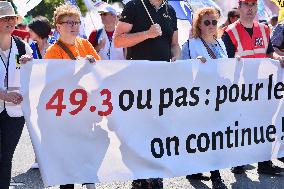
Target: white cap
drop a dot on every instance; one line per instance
(109, 9)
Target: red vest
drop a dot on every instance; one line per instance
(246, 46)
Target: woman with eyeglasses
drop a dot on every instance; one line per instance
(204, 45)
(69, 45)
(11, 116)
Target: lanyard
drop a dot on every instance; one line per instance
(7, 64)
(7, 67)
(110, 42)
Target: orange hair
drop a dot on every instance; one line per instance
(196, 31)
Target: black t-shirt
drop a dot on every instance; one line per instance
(158, 48)
(231, 50)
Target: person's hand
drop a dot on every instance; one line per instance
(154, 31)
(281, 60)
(201, 58)
(91, 59)
(101, 44)
(174, 58)
(14, 97)
(238, 58)
(25, 58)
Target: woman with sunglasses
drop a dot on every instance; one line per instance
(204, 45)
(205, 42)
(11, 116)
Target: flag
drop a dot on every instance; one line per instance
(263, 13)
(204, 3)
(72, 2)
(182, 8)
(95, 4)
(24, 6)
(279, 3)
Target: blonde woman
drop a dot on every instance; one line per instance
(70, 46)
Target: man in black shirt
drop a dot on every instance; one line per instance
(249, 39)
(148, 29)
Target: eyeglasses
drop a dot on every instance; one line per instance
(8, 18)
(208, 22)
(71, 23)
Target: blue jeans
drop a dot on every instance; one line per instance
(10, 133)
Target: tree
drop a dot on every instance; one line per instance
(47, 7)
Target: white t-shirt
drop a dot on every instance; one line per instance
(12, 65)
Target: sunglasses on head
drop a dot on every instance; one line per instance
(208, 22)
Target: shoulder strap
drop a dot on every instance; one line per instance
(38, 51)
(98, 35)
(188, 49)
(65, 48)
(20, 46)
(210, 52)
(152, 21)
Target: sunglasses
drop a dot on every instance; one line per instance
(71, 23)
(236, 16)
(208, 22)
(246, 4)
(106, 13)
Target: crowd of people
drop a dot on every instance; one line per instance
(145, 30)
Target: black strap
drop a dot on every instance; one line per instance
(38, 51)
(210, 52)
(20, 46)
(66, 49)
(188, 49)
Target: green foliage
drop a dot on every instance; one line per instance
(47, 7)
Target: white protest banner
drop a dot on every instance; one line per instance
(24, 6)
(163, 119)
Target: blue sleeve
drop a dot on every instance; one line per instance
(185, 53)
(33, 47)
(277, 36)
